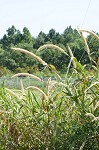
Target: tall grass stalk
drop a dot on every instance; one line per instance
(22, 87)
(90, 32)
(56, 116)
(85, 42)
(72, 57)
(39, 90)
(27, 74)
(71, 61)
(31, 54)
(51, 46)
(13, 93)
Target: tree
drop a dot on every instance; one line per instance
(11, 35)
(9, 38)
(52, 36)
(14, 38)
(27, 38)
(40, 40)
(4, 42)
(94, 47)
(18, 37)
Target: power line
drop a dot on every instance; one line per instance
(84, 22)
(86, 13)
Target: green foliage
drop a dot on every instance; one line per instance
(67, 120)
(4, 71)
(27, 38)
(71, 37)
(57, 113)
(94, 46)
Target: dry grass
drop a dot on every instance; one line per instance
(39, 90)
(96, 106)
(27, 74)
(85, 42)
(72, 57)
(31, 54)
(12, 93)
(92, 33)
(22, 87)
(66, 119)
(50, 85)
(94, 84)
(52, 47)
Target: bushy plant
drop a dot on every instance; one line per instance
(4, 71)
(61, 115)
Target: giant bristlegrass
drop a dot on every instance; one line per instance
(58, 116)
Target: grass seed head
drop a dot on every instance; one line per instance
(31, 54)
(12, 93)
(52, 47)
(27, 74)
(39, 90)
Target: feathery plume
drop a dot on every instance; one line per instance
(90, 32)
(27, 74)
(31, 54)
(13, 93)
(39, 90)
(87, 47)
(52, 46)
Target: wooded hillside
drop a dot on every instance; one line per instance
(18, 62)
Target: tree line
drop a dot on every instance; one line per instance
(11, 61)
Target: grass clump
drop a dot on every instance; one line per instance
(61, 115)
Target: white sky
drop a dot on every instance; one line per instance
(42, 15)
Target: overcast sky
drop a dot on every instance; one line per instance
(42, 15)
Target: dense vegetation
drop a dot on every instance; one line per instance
(60, 112)
(17, 62)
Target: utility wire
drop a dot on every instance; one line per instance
(83, 24)
(86, 13)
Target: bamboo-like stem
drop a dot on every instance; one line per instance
(22, 88)
(31, 54)
(48, 84)
(98, 62)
